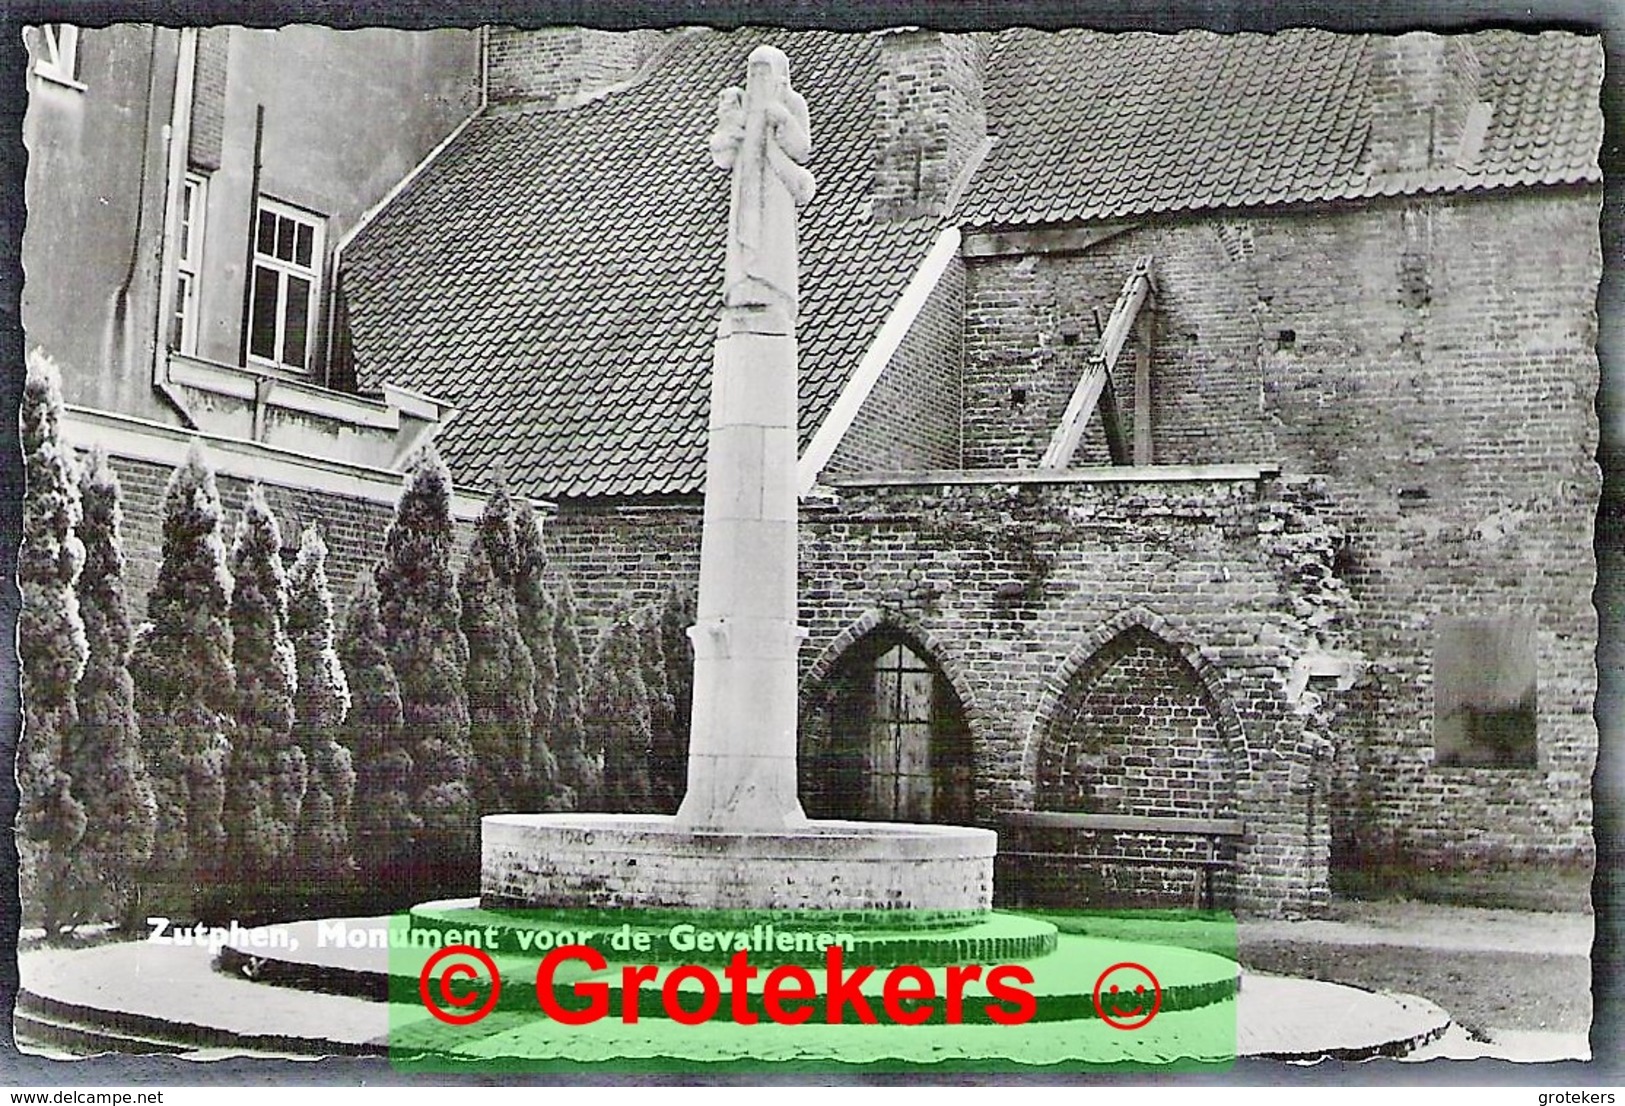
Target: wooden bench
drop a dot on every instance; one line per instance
(1017, 856)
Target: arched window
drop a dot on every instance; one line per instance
(1137, 748)
(886, 738)
(1136, 733)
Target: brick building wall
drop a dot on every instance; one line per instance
(930, 116)
(1015, 586)
(353, 528)
(1137, 734)
(1423, 88)
(629, 554)
(911, 419)
(1434, 360)
(549, 62)
(1467, 470)
(1022, 593)
(1030, 330)
(209, 98)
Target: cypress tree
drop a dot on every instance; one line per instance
(422, 616)
(106, 762)
(650, 636)
(185, 686)
(536, 613)
(617, 716)
(669, 760)
(321, 702)
(52, 647)
(385, 827)
(266, 785)
(579, 769)
(501, 677)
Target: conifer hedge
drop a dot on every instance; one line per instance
(106, 762)
(421, 614)
(320, 704)
(185, 683)
(53, 649)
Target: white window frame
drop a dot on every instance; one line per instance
(284, 269)
(189, 261)
(59, 54)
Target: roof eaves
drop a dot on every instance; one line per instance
(1385, 186)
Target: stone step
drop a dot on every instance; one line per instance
(86, 1029)
(352, 958)
(93, 1028)
(884, 939)
(35, 1030)
(143, 997)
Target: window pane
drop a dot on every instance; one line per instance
(177, 327)
(262, 319)
(188, 201)
(191, 244)
(302, 252)
(284, 238)
(293, 335)
(267, 234)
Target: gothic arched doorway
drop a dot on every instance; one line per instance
(1136, 733)
(885, 738)
(1137, 768)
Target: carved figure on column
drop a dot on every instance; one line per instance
(763, 136)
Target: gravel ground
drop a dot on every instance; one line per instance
(1491, 969)
(1481, 990)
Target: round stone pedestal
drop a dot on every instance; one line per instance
(936, 874)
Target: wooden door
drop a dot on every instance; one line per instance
(899, 753)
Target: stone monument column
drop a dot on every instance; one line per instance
(742, 750)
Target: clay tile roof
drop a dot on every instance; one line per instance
(556, 273)
(1097, 126)
(1545, 125)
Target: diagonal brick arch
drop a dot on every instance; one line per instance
(1168, 637)
(937, 652)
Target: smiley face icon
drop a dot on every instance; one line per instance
(1127, 995)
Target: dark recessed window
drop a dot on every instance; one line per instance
(1484, 693)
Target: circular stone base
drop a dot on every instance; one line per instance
(85, 1001)
(939, 874)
